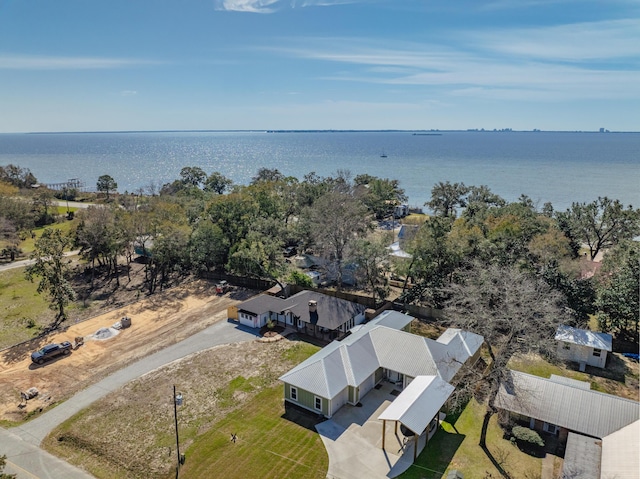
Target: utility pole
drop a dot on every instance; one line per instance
(175, 415)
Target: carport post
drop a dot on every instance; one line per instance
(384, 426)
(396, 428)
(415, 447)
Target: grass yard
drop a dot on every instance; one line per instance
(268, 446)
(27, 246)
(23, 311)
(229, 389)
(455, 446)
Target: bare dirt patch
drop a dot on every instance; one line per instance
(156, 322)
(130, 433)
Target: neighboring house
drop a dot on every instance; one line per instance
(307, 311)
(345, 371)
(613, 457)
(583, 346)
(559, 405)
(571, 410)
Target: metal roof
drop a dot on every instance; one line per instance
(620, 458)
(587, 412)
(582, 457)
(584, 337)
(418, 404)
(332, 312)
(392, 319)
(350, 361)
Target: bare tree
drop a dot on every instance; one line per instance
(515, 312)
(335, 220)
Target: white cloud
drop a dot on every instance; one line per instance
(128, 93)
(27, 62)
(250, 6)
(270, 6)
(597, 60)
(604, 40)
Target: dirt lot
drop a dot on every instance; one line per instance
(156, 322)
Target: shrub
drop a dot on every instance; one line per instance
(527, 435)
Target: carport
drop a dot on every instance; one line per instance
(417, 406)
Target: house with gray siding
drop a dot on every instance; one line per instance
(345, 371)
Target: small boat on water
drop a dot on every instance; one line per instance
(383, 154)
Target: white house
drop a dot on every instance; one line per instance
(583, 346)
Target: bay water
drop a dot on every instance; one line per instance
(556, 167)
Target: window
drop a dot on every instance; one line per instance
(550, 428)
(293, 393)
(597, 352)
(318, 403)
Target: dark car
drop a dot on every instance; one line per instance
(51, 351)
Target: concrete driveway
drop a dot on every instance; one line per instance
(353, 439)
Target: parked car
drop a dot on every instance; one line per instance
(51, 351)
(222, 287)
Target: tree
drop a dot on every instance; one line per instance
(192, 176)
(268, 175)
(17, 176)
(208, 246)
(335, 220)
(515, 312)
(600, 224)
(446, 198)
(42, 202)
(380, 195)
(259, 256)
(52, 268)
(299, 278)
(217, 183)
(106, 184)
(4, 475)
(618, 297)
(372, 265)
(434, 257)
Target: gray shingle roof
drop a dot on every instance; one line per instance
(588, 412)
(332, 312)
(584, 337)
(350, 361)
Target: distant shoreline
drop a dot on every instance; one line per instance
(413, 132)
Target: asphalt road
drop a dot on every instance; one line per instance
(21, 444)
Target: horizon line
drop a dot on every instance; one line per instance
(328, 130)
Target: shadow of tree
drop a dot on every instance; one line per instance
(437, 455)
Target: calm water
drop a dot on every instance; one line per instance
(547, 166)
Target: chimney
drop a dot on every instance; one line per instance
(313, 306)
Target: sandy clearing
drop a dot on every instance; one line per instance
(156, 322)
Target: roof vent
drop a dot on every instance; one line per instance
(313, 306)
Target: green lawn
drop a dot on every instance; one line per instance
(27, 246)
(455, 446)
(23, 311)
(268, 445)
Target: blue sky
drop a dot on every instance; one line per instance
(89, 65)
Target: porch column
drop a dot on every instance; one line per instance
(384, 428)
(415, 447)
(396, 431)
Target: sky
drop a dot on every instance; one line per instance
(119, 65)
